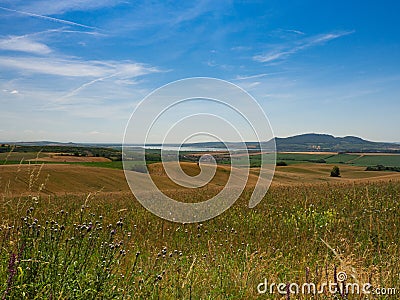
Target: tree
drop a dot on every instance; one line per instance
(335, 172)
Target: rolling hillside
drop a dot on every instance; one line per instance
(59, 179)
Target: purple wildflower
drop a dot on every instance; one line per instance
(12, 270)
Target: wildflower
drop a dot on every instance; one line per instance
(12, 270)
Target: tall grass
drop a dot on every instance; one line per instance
(107, 246)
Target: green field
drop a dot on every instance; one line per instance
(373, 160)
(342, 158)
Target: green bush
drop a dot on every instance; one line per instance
(335, 172)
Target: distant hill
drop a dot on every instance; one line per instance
(315, 142)
(326, 142)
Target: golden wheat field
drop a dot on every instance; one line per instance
(77, 232)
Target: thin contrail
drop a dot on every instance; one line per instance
(47, 18)
(85, 85)
(61, 30)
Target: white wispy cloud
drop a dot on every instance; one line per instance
(295, 31)
(74, 67)
(124, 72)
(12, 92)
(32, 42)
(85, 85)
(63, 30)
(241, 48)
(60, 67)
(59, 7)
(57, 20)
(46, 33)
(239, 77)
(286, 50)
(165, 16)
(23, 44)
(255, 76)
(198, 9)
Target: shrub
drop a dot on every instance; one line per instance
(281, 163)
(382, 168)
(335, 172)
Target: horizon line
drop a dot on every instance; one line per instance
(176, 143)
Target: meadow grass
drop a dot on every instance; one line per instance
(107, 246)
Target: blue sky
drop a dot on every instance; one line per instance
(75, 70)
